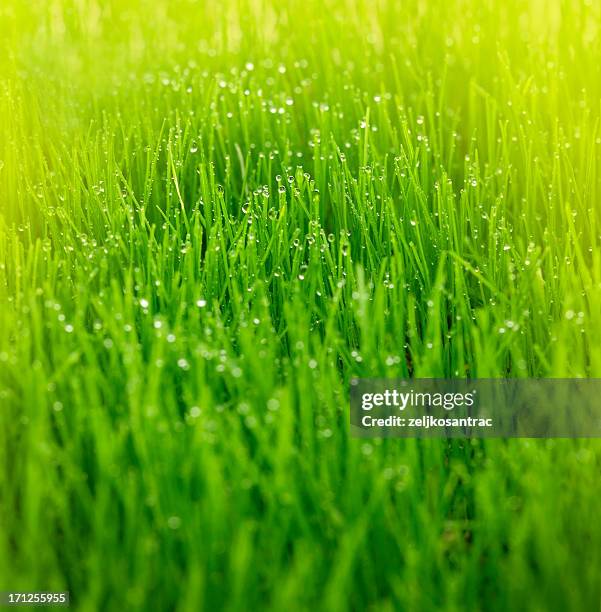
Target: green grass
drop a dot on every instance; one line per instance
(212, 216)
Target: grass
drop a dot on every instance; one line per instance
(212, 217)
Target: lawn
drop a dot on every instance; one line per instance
(213, 215)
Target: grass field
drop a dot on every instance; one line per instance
(212, 216)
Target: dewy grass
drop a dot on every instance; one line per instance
(213, 215)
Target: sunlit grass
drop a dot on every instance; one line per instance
(212, 216)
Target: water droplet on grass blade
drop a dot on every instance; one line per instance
(174, 522)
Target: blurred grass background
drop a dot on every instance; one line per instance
(212, 216)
